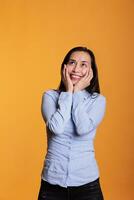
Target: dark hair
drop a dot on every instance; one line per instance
(94, 83)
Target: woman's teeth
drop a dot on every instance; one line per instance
(75, 76)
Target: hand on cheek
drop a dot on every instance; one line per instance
(66, 79)
(84, 81)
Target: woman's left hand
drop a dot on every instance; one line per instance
(84, 81)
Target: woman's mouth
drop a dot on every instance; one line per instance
(73, 76)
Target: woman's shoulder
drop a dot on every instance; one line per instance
(51, 92)
(100, 95)
(97, 97)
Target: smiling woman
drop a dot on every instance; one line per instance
(78, 65)
(80, 61)
(72, 115)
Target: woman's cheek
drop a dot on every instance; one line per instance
(85, 71)
(69, 70)
(89, 69)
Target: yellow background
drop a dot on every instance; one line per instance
(34, 38)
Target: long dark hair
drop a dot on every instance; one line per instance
(94, 83)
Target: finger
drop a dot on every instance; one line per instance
(91, 75)
(87, 75)
(64, 67)
(64, 71)
(88, 72)
(67, 74)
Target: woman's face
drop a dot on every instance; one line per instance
(78, 64)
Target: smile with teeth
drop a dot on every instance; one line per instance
(75, 76)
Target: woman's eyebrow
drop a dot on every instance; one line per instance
(81, 61)
(72, 59)
(85, 61)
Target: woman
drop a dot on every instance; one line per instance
(72, 113)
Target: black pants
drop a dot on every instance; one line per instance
(89, 191)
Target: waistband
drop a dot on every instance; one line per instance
(90, 184)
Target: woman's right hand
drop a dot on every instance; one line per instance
(66, 79)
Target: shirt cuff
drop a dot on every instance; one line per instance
(65, 102)
(77, 98)
(65, 96)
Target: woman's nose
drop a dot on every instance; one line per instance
(76, 68)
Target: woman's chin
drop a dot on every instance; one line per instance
(74, 81)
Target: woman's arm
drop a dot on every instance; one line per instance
(56, 118)
(87, 119)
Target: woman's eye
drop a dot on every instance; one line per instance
(83, 64)
(71, 62)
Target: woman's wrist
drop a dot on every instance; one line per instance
(69, 90)
(76, 90)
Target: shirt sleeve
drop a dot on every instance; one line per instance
(55, 112)
(87, 118)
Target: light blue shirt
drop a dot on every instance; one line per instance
(71, 120)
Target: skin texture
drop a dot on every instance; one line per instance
(79, 64)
